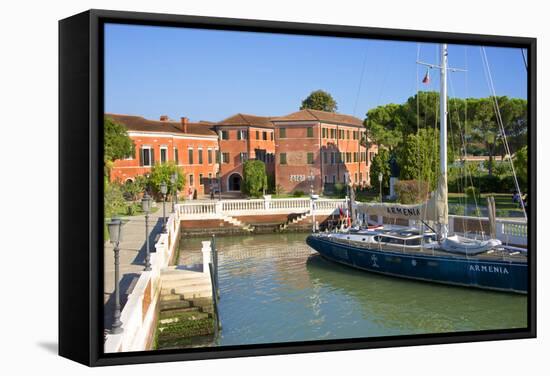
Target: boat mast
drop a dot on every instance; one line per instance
(443, 228)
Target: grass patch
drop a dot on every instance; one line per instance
(134, 208)
(503, 202)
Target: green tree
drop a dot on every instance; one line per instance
(319, 100)
(163, 173)
(418, 157)
(380, 164)
(521, 166)
(132, 189)
(384, 125)
(254, 178)
(113, 199)
(116, 143)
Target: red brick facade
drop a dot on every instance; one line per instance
(300, 150)
(163, 141)
(316, 149)
(243, 137)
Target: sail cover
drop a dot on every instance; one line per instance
(434, 209)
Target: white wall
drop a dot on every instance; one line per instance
(28, 67)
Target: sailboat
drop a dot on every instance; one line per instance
(423, 252)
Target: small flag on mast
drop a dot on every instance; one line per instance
(426, 79)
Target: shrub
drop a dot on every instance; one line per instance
(254, 178)
(162, 173)
(339, 188)
(411, 191)
(113, 199)
(472, 193)
(132, 189)
(457, 209)
(298, 193)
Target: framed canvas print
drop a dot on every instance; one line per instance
(258, 187)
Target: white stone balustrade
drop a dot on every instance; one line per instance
(508, 231)
(137, 324)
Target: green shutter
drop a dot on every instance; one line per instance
(141, 156)
(152, 157)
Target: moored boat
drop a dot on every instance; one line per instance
(427, 253)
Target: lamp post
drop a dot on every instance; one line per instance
(115, 235)
(380, 177)
(313, 197)
(218, 178)
(146, 206)
(163, 191)
(174, 181)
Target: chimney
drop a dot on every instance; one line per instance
(163, 117)
(184, 122)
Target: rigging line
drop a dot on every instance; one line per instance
(417, 103)
(524, 59)
(360, 81)
(451, 87)
(501, 125)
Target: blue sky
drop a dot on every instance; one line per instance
(211, 75)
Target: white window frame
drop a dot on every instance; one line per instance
(165, 148)
(210, 157)
(200, 156)
(143, 148)
(175, 148)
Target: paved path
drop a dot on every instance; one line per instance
(132, 258)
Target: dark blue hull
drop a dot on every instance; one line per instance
(485, 274)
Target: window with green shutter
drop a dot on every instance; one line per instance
(282, 132)
(310, 131)
(282, 158)
(309, 158)
(200, 156)
(190, 155)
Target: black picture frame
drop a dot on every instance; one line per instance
(80, 185)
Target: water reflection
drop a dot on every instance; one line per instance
(274, 288)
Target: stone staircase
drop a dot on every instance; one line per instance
(295, 220)
(186, 312)
(236, 222)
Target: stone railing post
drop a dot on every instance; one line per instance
(267, 202)
(219, 207)
(206, 257)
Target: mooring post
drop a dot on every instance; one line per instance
(206, 257)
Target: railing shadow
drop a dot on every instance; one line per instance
(127, 283)
(155, 229)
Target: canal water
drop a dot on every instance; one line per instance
(275, 288)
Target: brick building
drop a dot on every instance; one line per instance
(243, 137)
(301, 149)
(317, 149)
(192, 146)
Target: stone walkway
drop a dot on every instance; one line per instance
(132, 258)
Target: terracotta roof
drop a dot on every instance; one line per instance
(247, 120)
(322, 116)
(140, 124)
